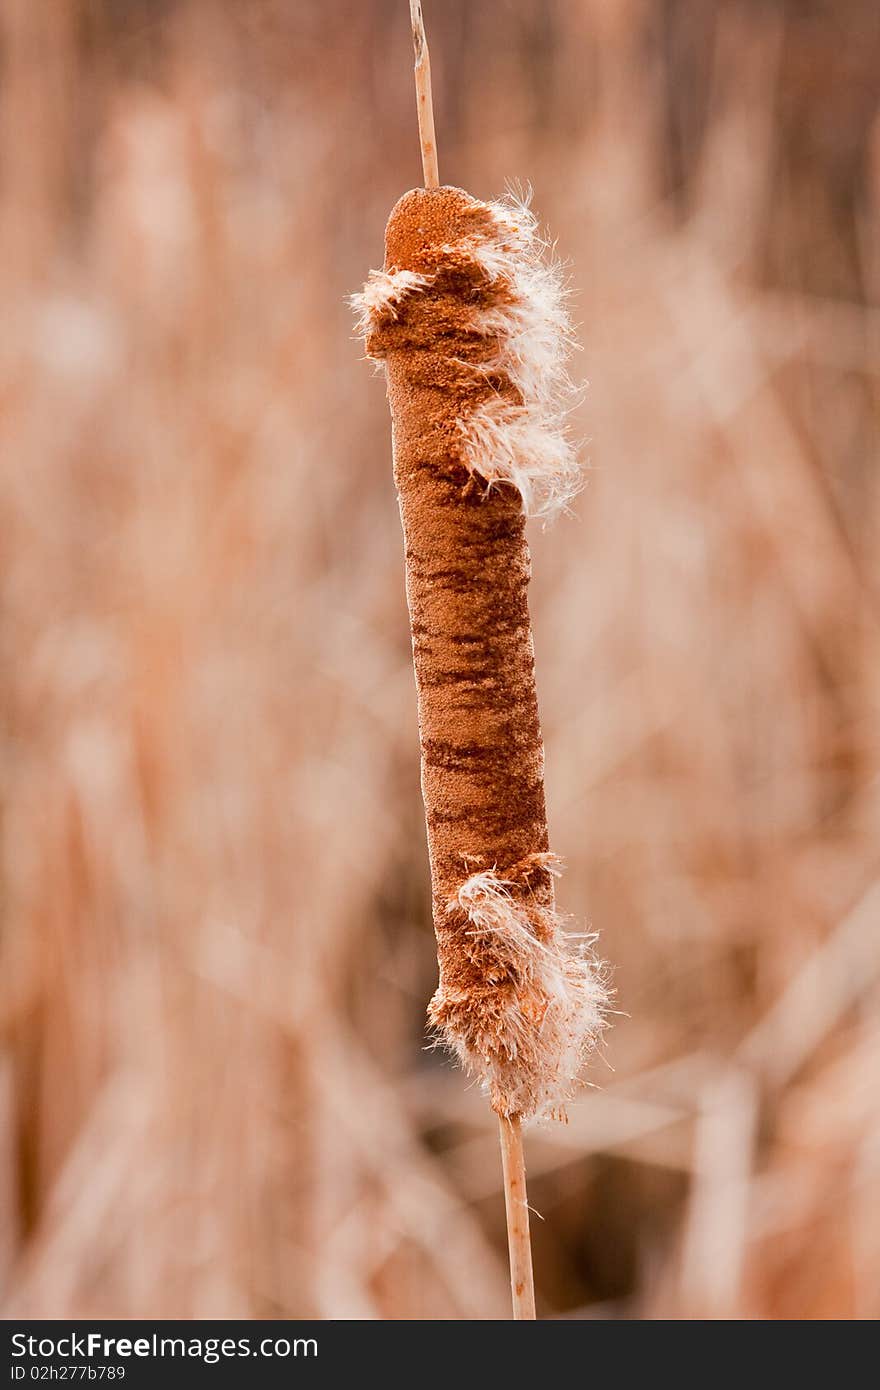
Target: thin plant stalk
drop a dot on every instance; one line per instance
(522, 1284)
(424, 99)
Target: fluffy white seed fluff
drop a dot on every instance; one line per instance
(382, 295)
(525, 442)
(506, 443)
(530, 1053)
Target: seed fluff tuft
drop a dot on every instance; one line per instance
(532, 1014)
(516, 433)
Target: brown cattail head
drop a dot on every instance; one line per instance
(469, 317)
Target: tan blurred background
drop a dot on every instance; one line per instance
(216, 947)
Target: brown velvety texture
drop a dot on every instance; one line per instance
(467, 574)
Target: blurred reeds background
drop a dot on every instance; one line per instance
(216, 946)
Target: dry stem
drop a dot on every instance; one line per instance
(427, 138)
(522, 1285)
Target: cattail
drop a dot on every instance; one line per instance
(468, 316)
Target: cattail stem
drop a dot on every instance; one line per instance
(522, 1285)
(424, 100)
(468, 316)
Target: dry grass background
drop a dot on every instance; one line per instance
(215, 920)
